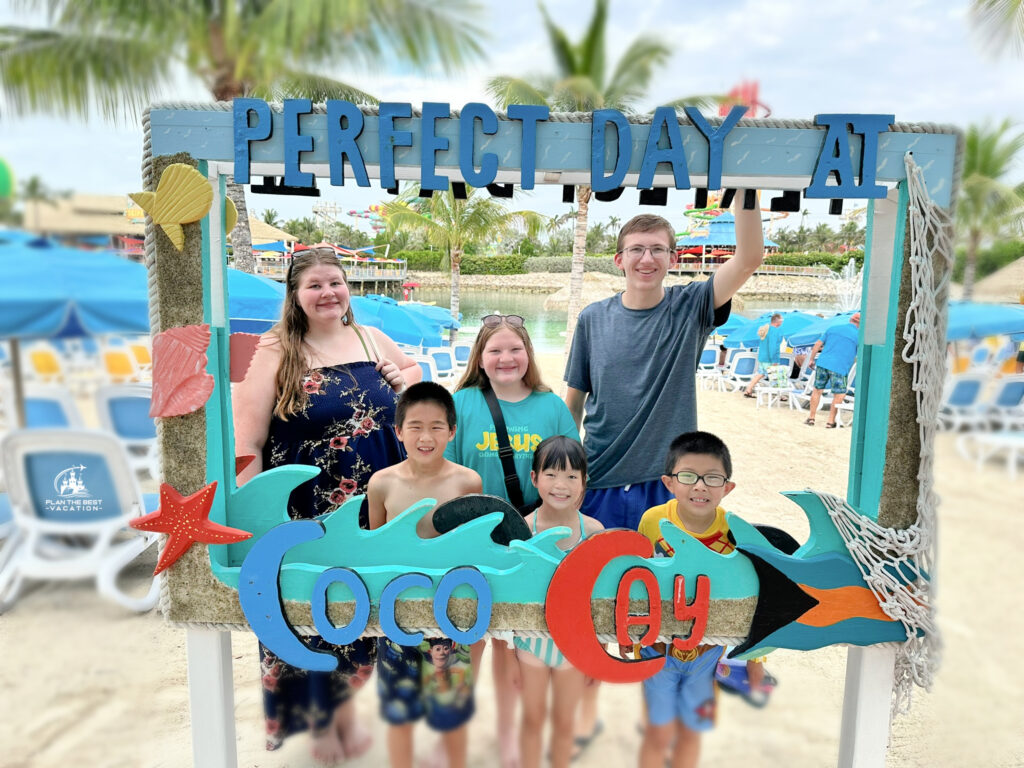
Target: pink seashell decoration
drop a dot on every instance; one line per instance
(181, 384)
(243, 347)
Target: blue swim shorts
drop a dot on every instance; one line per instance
(623, 506)
(433, 679)
(826, 379)
(683, 690)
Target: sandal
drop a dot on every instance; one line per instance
(809, 422)
(830, 425)
(747, 394)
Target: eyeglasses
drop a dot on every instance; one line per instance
(493, 321)
(691, 478)
(637, 251)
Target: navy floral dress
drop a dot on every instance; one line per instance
(347, 430)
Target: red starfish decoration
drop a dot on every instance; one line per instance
(185, 520)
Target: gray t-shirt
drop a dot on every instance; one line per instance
(638, 366)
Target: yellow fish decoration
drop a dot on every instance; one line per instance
(230, 215)
(183, 196)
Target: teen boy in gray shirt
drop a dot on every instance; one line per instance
(633, 361)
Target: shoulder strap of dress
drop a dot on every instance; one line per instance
(375, 357)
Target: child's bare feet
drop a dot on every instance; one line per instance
(508, 748)
(327, 748)
(352, 735)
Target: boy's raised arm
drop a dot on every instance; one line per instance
(731, 276)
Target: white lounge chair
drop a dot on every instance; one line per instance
(72, 494)
(962, 401)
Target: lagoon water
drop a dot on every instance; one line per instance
(547, 327)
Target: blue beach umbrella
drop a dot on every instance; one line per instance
(396, 321)
(973, 320)
(440, 315)
(811, 333)
(733, 324)
(746, 335)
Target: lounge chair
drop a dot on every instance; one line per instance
(1005, 409)
(123, 410)
(72, 494)
(962, 401)
(740, 371)
(444, 362)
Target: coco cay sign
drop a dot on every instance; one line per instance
(465, 136)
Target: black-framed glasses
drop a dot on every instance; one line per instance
(710, 480)
(636, 251)
(493, 321)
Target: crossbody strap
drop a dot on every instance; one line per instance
(505, 453)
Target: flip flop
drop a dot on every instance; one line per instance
(582, 742)
(830, 425)
(809, 422)
(747, 394)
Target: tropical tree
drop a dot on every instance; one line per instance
(581, 83)
(272, 217)
(117, 56)
(305, 229)
(988, 206)
(35, 190)
(452, 224)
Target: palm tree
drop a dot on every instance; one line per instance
(987, 205)
(452, 224)
(271, 216)
(582, 84)
(118, 56)
(1001, 23)
(35, 190)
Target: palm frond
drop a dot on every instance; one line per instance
(634, 70)
(592, 46)
(566, 63)
(291, 83)
(1000, 24)
(577, 94)
(513, 90)
(77, 70)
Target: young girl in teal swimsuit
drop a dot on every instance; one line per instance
(559, 474)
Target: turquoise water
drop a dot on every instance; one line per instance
(547, 327)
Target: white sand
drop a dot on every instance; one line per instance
(86, 683)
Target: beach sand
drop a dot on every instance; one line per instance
(87, 683)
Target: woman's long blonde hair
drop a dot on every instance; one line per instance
(475, 375)
(291, 332)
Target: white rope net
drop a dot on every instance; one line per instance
(899, 565)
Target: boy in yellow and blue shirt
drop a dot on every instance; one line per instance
(681, 697)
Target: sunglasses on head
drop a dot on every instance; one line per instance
(309, 252)
(493, 321)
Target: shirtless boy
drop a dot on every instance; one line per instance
(409, 679)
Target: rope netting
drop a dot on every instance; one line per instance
(898, 566)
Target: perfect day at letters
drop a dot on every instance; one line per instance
(610, 150)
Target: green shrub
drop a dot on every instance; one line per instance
(604, 264)
(422, 261)
(989, 260)
(510, 264)
(834, 261)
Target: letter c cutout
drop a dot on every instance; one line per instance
(567, 606)
(260, 595)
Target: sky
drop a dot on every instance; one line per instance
(917, 59)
